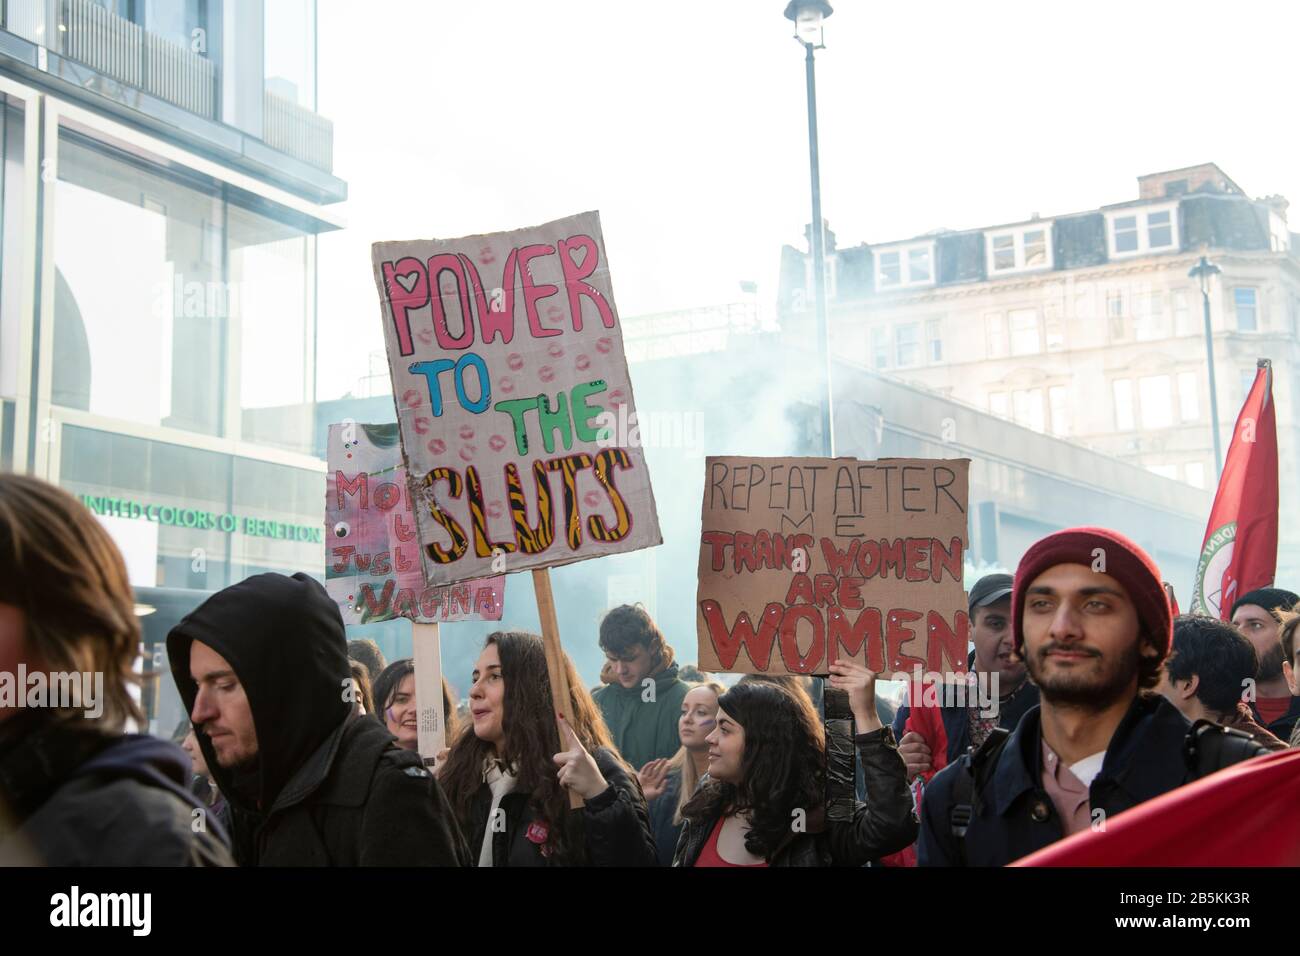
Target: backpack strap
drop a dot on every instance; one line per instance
(968, 785)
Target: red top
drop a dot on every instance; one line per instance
(1272, 708)
(709, 854)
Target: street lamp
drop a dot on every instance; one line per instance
(809, 17)
(1203, 270)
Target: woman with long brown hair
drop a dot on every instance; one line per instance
(510, 789)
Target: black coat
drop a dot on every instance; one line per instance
(885, 824)
(1014, 816)
(614, 824)
(327, 788)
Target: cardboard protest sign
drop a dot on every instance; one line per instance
(431, 732)
(372, 568)
(512, 394)
(804, 561)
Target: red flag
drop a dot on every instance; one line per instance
(1242, 816)
(1239, 552)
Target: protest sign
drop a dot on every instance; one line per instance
(372, 568)
(804, 561)
(431, 728)
(513, 400)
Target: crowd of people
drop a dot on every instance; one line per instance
(301, 747)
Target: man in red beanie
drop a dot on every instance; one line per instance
(1092, 622)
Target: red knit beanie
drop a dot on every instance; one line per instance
(1124, 561)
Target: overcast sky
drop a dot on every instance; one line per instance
(685, 126)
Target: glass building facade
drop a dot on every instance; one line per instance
(158, 288)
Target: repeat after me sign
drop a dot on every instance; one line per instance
(804, 561)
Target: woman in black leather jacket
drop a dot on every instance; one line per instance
(509, 788)
(763, 803)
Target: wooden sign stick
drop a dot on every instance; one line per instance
(432, 725)
(554, 659)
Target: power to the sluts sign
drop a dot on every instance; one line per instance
(509, 376)
(804, 561)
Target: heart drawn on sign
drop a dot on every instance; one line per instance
(407, 280)
(577, 261)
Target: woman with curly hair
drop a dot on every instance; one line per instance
(764, 801)
(510, 789)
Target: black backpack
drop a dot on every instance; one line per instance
(1207, 748)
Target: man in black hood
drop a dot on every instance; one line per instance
(263, 668)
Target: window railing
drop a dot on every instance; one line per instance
(179, 76)
(298, 131)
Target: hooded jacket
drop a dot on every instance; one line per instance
(644, 730)
(70, 796)
(326, 789)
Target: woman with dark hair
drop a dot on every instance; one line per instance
(394, 699)
(767, 776)
(501, 772)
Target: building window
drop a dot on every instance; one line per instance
(1188, 407)
(1117, 314)
(907, 345)
(1151, 321)
(1133, 232)
(998, 404)
(1024, 331)
(1060, 411)
(880, 348)
(933, 340)
(1122, 389)
(1183, 322)
(918, 265)
(1244, 301)
(888, 270)
(1022, 249)
(901, 267)
(1126, 233)
(1156, 400)
(995, 334)
(1195, 471)
(1027, 407)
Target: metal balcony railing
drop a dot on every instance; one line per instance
(298, 131)
(178, 75)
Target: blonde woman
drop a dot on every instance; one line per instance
(669, 782)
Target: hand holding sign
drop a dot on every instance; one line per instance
(578, 771)
(861, 684)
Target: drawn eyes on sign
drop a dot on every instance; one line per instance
(555, 351)
(342, 529)
(546, 373)
(604, 344)
(507, 385)
(437, 446)
(467, 453)
(496, 443)
(515, 361)
(591, 499)
(466, 433)
(582, 363)
(411, 398)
